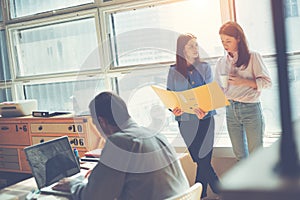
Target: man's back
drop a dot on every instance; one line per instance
(135, 164)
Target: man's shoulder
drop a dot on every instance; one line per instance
(137, 135)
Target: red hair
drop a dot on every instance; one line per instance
(233, 29)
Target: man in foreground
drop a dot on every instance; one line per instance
(136, 163)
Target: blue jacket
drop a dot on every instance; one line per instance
(198, 75)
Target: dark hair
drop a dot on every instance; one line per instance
(111, 107)
(181, 63)
(233, 29)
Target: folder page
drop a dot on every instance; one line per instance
(207, 97)
(168, 97)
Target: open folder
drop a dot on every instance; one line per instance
(207, 97)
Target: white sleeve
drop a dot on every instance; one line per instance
(261, 73)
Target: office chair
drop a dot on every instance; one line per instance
(193, 193)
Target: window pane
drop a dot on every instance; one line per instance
(293, 47)
(4, 66)
(260, 35)
(61, 47)
(135, 89)
(20, 8)
(259, 27)
(5, 94)
(65, 96)
(293, 31)
(291, 8)
(148, 35)
(1, 14)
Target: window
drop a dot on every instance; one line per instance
(135, 88)
(61, 47)
(292, 25)
(65, 95)
(1, 12)
(4, 69)
(292, 32)
(258, 28)
(20, 8)
(143, 35)
(57, 59)
(260, 35)
(291, 8)
(5, 94)
(146, 36)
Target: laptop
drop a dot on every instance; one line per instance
(50, 162)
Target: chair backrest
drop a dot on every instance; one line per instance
(193, 193)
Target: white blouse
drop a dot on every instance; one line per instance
(256, 70)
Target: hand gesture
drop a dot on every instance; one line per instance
(235, 80)
(63, 185)
(200, 113)
(177, 111)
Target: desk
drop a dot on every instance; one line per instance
(16, 133)
(20, 190)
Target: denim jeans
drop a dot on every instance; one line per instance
(198, 136)
(245, 124)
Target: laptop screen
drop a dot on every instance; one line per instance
(51, 161)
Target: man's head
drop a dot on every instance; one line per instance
(109, 111)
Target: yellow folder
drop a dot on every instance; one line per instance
(207, 97)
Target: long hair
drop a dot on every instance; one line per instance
(233, 29)
(181, 63)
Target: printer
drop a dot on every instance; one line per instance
(18, 108)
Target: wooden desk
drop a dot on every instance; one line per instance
(21, 189)
(18, 132)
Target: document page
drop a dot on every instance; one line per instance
(207, 97)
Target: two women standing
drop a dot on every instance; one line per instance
(246, 76)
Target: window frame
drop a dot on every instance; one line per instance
(226, 14)
(49, 21)
(291, 8)
(101, 10)
(48, 13)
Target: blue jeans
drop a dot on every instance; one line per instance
(245, 124)
(198, 136)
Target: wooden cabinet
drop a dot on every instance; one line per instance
(17, 133)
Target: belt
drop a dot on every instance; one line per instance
(233, 101)
(236, 102)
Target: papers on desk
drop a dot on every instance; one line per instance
(88, 165)
(92, 156)
(93, 153)
(207, 97)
